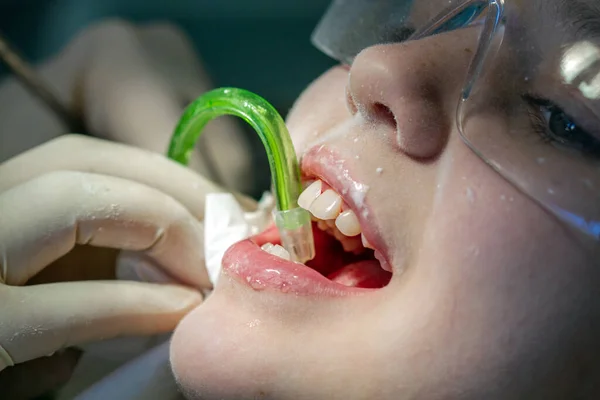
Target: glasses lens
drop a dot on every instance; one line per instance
(350, 26)
(534, 112)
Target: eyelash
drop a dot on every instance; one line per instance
(586, 143)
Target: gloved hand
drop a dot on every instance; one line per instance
(130, 84)
(59, 201)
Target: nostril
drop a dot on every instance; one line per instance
(383, 113)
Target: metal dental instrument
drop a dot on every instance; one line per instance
(37, 87)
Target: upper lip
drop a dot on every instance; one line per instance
(324, 163)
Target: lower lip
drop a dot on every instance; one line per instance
(248, 263)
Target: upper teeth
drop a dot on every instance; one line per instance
(327, 205)
(348, 224)
(310, 194)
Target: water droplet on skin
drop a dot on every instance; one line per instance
(357, 156)
(541, 160)
(550, 191)
(503, 198)
(355, 140)
(379, 170)
(254, 323)
(470, 195)
(257, 284)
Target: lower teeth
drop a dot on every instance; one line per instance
(276, 250)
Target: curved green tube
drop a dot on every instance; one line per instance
(293, 222)
(265, 120)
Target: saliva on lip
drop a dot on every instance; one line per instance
(259, 282)
(259, 285)
(255, 284)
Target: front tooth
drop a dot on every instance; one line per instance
(365, 242)
(347, 223)
(327, 206)
(276, 250)
(310, 194)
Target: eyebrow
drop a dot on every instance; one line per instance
(583, 16)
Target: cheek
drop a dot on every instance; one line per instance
(477, 209)
(490, 229)
(320, 107)
(509, 278)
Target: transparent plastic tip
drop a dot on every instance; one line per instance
(296, 233)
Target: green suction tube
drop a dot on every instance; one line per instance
(293, 222)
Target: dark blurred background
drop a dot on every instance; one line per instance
(260, 45)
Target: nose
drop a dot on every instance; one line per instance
(413, 87)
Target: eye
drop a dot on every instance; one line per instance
(464, 18)
(554, 125)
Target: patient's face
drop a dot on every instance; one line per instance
(476, 291)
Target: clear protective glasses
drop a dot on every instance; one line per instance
(530, 104)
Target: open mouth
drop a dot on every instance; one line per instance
(345, 259)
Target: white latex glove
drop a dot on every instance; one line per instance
(130, 83)
(76, 191)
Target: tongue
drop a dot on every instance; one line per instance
(363, 274)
